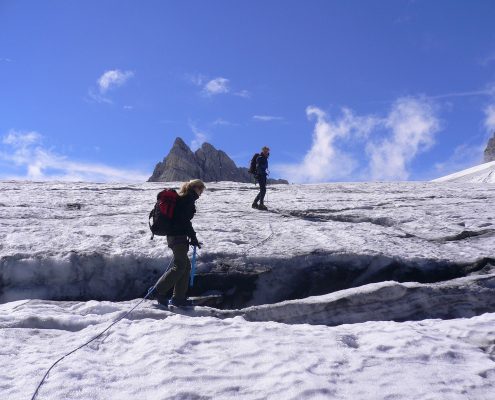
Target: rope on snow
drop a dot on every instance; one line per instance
(96, 337)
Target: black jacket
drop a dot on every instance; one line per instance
(183, 214)
(261, 165)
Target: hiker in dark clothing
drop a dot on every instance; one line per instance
(261, 174)
(181, 235)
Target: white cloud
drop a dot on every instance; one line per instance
(199, 137)
(223, 122)
(408, 130)
(25, 150)
(468, 155)
(112, 79)
(106, 82)
(490, 117)
(212, 87)
(243, 93)
(19, 140)
(413, 124)
(216, 86)
(266, 118)
(489, 90)
(471, 93)
(325, 161)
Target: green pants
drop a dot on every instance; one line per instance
(178, 275)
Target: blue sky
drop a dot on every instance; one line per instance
(339, 90)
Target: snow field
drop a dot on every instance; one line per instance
(159, 355)
(91, 241)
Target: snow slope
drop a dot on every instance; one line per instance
(158, 355)
(346, 291)
(91, 241)
(484, 173)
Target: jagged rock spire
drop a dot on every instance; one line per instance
(179, 165)
(207, 163)
(489, 154)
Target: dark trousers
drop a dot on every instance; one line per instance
(178, 275)
(261, 195)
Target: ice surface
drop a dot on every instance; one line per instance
(91, 241)
(483, 173)
(386, 336)
(158, 355)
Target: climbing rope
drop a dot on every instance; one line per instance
(263, 241)
(23, 304)
(150, 290)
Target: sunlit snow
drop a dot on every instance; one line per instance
(483, 173)
(345, 291)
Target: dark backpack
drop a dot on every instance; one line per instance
(252, 164)
(163, 212)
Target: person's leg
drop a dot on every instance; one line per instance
(182, 283)
(179, 268)
(255, 202)
(257, 198)
(262, 190)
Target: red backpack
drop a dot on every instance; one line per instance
(163, 212)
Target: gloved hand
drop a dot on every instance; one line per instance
(194, 242)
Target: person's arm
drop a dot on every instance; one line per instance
(191, 233)
(189, 211)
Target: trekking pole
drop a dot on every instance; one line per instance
(193, 267)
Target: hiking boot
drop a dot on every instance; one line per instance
(162, 300)
(262, 207)
(254, 205)
(180, 302)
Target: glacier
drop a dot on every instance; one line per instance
(340, 291)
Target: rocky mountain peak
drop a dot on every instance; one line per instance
(489, 154)
(206, 163)
(181, 147)
(208, 147)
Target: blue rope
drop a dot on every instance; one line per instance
(150, 290)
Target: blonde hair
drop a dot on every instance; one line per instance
(192, 184)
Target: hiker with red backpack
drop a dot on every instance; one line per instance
(180, 234)
(260, 174)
